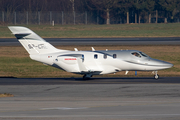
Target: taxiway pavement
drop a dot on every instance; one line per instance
(128, 99)
(101, 41)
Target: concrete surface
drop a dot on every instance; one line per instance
(91, 102)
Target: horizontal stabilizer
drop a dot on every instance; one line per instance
(21, 35)
(24, 33)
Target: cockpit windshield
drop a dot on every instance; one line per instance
(139, 54)
(143, 54)
(136, 54)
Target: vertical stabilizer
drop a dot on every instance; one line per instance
(33, 43)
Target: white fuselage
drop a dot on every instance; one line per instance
(101, 62)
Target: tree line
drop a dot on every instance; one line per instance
(107, 8)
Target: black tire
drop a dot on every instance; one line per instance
(156, 76)
(84, 77)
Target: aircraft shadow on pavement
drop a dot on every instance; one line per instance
(81, 79)
(110, 78)
(95, 80)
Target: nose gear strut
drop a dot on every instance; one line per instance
(156, 76)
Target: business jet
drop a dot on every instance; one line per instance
(86, 63)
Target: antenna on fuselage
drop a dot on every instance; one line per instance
(126, 72)
(93, 49)
(75, 49)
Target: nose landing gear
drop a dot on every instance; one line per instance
(156, 76)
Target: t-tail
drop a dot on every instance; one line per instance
(33, 43)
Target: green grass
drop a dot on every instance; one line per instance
(86, 31)
(6, 95)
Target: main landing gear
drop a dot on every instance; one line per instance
(156, 76)
(87, 76)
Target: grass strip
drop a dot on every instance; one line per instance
(91, 31)
(6, 95)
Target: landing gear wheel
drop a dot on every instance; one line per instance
(87, 76)
(84, 77)
(156, 76)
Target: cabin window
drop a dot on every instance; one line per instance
(136, 54)
(114, 56)
(95, 56)
(105, 56)
(82, 58)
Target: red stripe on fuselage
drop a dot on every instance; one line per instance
(69, 58)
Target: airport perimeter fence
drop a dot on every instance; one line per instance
(51, 17)
(75, 18)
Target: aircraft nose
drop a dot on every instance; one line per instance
(162, 64)
(168, 65)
